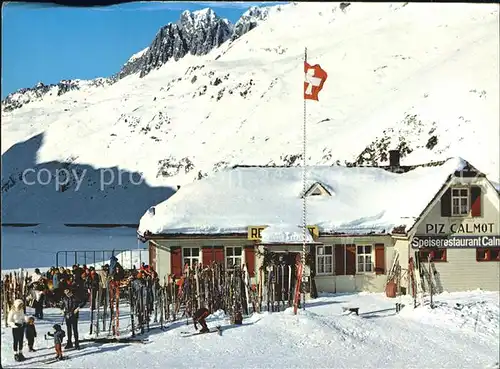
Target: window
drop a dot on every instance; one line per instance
(316, 192)
(324, 260)
(459, 201)
(364, 259)
(233, 257)
(317, 189)
(437, 255)
(190, 256)
(488, 254)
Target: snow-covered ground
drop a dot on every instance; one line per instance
(461, 332)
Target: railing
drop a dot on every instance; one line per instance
(97, 258)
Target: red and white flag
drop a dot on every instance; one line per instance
(315, 78)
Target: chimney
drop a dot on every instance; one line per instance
(394, 158)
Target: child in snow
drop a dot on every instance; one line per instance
(199, 317)
(58, 339)
(31, 333)
(17, 320)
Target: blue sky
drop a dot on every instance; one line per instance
(41, 43)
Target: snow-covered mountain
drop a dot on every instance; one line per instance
(195, 33)
(419, 77)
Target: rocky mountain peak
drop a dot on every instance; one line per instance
(249, 20)
(196, 33)
(198, 16)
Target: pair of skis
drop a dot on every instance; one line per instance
(103, 340)
(278, 287)
(217, 329)
(52, 361)
(95, 304)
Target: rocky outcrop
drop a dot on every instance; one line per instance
(249, 20)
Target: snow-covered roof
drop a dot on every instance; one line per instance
(367, 200)
(285, 233)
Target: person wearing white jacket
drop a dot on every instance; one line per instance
(36, 276)
(17, 320)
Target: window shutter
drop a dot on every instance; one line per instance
(152, 255)
(212, 253)
(312, 252)
(208, 255)
(446, 203)
(350, 260)
(482, 254)
(176, 261)
(250, 260)
(475, 200)
(219, 255)
(379, 258)
(339, 260)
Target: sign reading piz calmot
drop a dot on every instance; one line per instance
(441, 228)
(456, 242)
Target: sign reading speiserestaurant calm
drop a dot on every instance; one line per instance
(457, 235)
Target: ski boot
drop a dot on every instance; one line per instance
(204, 330)
(21, 357)
(69, 345)
(16, 357)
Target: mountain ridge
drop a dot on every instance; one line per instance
(184, 36)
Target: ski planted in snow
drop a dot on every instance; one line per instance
(297, 289)
(91, 292)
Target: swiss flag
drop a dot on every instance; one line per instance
(315, 78)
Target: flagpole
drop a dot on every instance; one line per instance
(304, 204)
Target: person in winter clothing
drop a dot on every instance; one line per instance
(92, 285)
(17, 320)
(118, 273)
(71, 306)
(199, 317)
(58, 335)
(38, 302)
(31, 333)
(133, 271)
(36, 276)
(55, 279)
(79, 281)
(104, 279)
